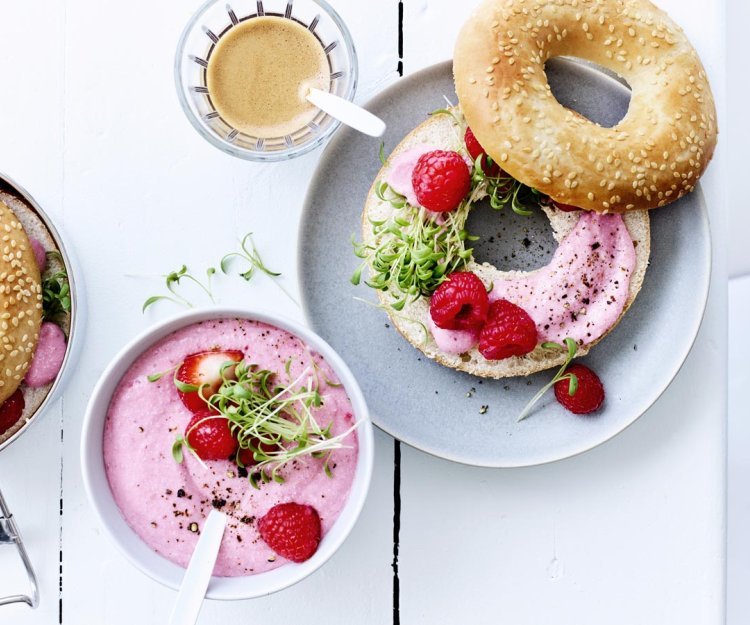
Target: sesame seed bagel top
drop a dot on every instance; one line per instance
(653, 156)
(20, 303)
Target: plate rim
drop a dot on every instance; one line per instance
(391, 91)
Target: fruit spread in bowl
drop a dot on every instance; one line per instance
(290, 467)
(237, 415)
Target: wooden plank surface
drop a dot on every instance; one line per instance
(631, 532)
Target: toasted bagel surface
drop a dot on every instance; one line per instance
(653, 156)
(20, 302)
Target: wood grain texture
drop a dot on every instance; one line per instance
(631, 532)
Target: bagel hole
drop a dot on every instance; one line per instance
(509, 241)
(593, 91)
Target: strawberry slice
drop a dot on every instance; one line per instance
(203, 371)
(11, 411)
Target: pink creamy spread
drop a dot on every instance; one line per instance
(580, 294)
(452, 341)
(48, 357)
(583, 291)
(40, 254)
(161, 500)
(402, 166)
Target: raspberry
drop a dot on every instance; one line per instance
(565, 208)
(441, 180)
(475, 149)
(509, 331)
(292, 530)
(460, 303)
(209, 435)
(11, 411)
(247, 456)
(589, 395)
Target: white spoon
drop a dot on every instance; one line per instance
(198, 573)
(347, 112)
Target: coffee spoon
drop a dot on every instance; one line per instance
(347, 112)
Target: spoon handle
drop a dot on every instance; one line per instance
(347, 112)
(198, 573)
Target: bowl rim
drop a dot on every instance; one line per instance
(75, 281)
(248, 155)
(135, 550)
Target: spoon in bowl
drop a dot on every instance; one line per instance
(347, 112)
(198, 573)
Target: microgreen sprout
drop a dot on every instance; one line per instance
(249, 253)
(275, 421)
(55, 295)
(572, 347)
(504, 190)
(172, 281)
(414, 251)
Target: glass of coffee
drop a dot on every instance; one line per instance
(243, 69)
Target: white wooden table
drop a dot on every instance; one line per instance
(632, 532)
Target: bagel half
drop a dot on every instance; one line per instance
(13, 208)
(446, 132)
(652, 157)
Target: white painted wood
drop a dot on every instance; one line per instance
(149, 194)
(735, 134)
(738, 543)
(632, 532)
(31, 151)
(629, 533)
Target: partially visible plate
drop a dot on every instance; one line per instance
(439, 410)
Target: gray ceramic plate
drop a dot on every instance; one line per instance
(425, 404)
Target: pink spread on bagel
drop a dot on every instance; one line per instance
(452, 341)
(402, 166)
(48, 357)
(580, 294)
(583, 291)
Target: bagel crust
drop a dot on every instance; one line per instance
(20, 301)
(652, 157)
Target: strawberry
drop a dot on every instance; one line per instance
(204, 371)
(441, 180)
(475, 150)
(209, 435)
(589, 395)
(460, 303)
(509, 331)
(11, 411)
(292, 530)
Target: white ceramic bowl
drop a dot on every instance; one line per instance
(141, 555)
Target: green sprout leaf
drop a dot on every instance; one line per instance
(572, 348)
(277, 421)
(172, 281)
(177, 453)
(56, 300)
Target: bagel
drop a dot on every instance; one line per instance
(20, 301)
(652, 157)
(413, 320)
(13, 208)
